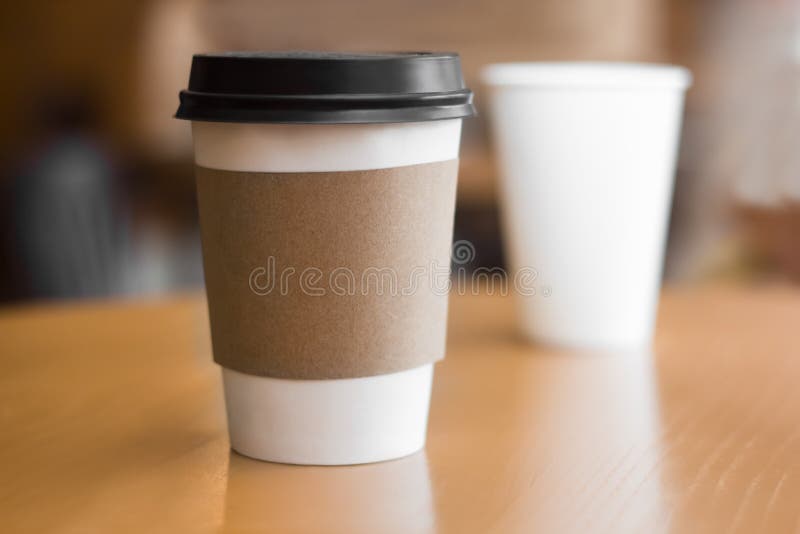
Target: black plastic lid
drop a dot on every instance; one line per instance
(325, 88)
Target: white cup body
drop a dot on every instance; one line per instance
(587, 156)
(341, 421)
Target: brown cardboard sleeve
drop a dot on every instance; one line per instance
(299, 269)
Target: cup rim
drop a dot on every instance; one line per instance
(586, 75)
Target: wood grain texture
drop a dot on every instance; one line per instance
(113, 421)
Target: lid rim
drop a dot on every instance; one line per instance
(334, 116)
(464, 94)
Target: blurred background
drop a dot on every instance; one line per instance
(96, 185)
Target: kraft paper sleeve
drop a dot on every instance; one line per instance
(328, 274)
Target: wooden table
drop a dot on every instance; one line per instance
(112, 421)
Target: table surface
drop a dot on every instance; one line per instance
(113, 421)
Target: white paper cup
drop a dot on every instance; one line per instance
(587, 157)
(326, 422)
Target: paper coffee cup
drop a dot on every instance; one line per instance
(587, 157)
(326, 184)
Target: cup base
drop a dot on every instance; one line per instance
(588, 345)
(328, 422)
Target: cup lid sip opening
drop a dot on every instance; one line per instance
(325, 88)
